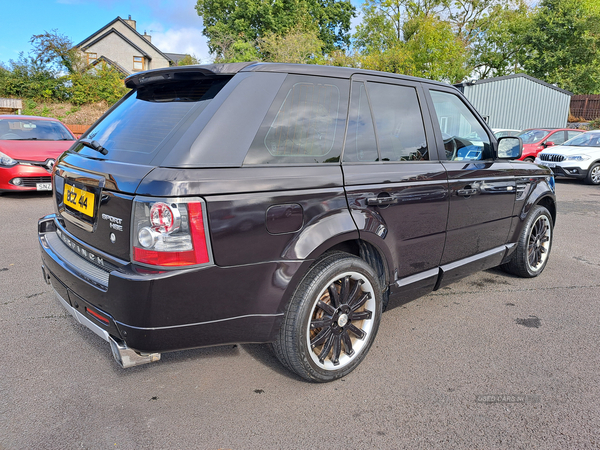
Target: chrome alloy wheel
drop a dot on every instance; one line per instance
(538, 246)
(341, 321)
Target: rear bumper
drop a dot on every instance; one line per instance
(125, 356)
(158, 311)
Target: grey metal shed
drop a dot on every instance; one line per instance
(518, 102)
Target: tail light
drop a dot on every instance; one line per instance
(170, 233)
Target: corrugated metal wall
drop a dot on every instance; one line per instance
(519, 103)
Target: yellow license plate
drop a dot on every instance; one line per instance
(79, 200)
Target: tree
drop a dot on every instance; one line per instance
(298, 46)
(188, 60)
(56, 50)
(230, 23)
(497, 46)
(409, 37)
(562, 45)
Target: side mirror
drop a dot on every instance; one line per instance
(510, 147)
(548, 144)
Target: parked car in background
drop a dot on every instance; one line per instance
(340, 190)
(29, 146)
(537, 139)
(579, 158)
(501, 132)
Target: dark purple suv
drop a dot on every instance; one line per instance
(284, 204)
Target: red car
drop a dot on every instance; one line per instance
(537, 139)
(28, 148)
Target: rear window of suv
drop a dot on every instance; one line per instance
(149, 115)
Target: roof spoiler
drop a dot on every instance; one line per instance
(184, 73)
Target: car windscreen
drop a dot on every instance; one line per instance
(584, 140)
(148, 117)
(533, 136)
(33, 130)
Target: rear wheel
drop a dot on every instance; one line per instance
(332, 319)
(533, 247)
(593, 176)
(529, 159)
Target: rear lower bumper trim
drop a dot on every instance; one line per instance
(125, 356)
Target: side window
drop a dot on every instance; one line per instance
(361, 145)
(464, 137)
(572, 134)
(398, 122)
(558, 138)
(304, 125)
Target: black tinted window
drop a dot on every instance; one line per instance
(360, 139)
(137, 127)
(398, 122)
(304, 125)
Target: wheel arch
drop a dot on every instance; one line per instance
(352, 244)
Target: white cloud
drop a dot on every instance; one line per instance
(181, 40)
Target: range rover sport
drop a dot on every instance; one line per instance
(284, 204)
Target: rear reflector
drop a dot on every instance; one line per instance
(97, 316)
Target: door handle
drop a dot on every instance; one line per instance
(381, 201)
(467, 192)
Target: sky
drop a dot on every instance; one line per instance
(174, 25)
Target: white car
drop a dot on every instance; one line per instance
(501, 132)
(579, 157)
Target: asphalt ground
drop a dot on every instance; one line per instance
(491, 362)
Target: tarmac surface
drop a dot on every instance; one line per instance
(491, 362)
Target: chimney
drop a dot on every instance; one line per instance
(147, 36)
(130, 22)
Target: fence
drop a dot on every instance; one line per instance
(585, 106)
(77, 130)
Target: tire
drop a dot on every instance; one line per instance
(593, 176)
(533, 246)
(529, 159)
(331, 320)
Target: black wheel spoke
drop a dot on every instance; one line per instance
(352, 296)
(344, 290)
(361, 301)
(347, 344)
(335, 296)
(362, 315)
(326, 348)
(356, 331)
(329, 310)
(337, 349)
(321, 337)
(321, 323)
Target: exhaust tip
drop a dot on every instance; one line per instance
(127, 357)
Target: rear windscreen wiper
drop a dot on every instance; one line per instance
(94, 145)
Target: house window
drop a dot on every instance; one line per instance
(138, 63)
(91, 57)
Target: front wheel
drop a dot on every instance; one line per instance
(332, 319)
(533, 246)
(593, 176)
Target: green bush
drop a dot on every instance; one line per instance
(27, 79)
(104, 83)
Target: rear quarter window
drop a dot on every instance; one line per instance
(305, 124)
